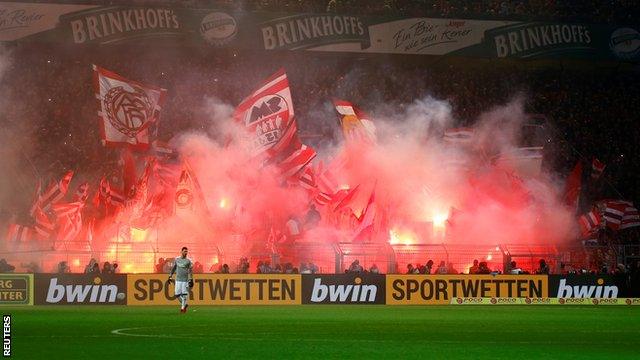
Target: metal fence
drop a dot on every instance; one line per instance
(330, 257)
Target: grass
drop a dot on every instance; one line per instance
(508, 332)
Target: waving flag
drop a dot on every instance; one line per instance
(573, 187)
(126, 109)
(296, 161)
(19, 233)
(459, 136)
(268, 113)
(356, 126)
(55, 192)
(614, 211)
(589, 222)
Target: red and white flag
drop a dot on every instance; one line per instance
(614, 211)
(267, 114)
(44, 227)
(630, 218)
(356, 126)
(307, 179)
(296, 161)
(589, 222)
(55, 192)
(126, 109)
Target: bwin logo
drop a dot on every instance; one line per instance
(82, 293)
(343, 293)
(587, 291)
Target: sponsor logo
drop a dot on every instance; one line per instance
(536, 301)
(343, 289)
(533, 40)
(307, 31)
(16, 289)
(11, 19)
(574, 301)
(408, 289)
(625, 43)
(233, 289)
(600, 290)
(80, 289)
(109, 25)
(342, 293)
(218, 28)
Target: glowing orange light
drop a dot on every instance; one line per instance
(138, 235)
(223, 203)
(439, 220)
(76, 262)
(344, 187)
(489, 257)
(398, 238)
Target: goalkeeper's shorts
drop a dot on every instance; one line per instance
(182, 287)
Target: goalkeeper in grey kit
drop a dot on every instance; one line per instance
(183, 268)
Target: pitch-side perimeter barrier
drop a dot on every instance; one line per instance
(218, 289)
(281, 289)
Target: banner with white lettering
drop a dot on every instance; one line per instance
(215, 27)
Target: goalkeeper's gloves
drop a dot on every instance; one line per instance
(169, 280)
(191, 283)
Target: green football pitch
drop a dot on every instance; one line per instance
(469, 332)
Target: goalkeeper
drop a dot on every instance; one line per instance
(183, 268)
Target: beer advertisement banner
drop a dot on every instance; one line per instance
(591, 286)
(442, 289)
(16, 289)
(215, 27)
(343, 289)
(80, 289)
(217, 289)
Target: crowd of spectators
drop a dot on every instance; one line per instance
(50, 126)
(93, 268)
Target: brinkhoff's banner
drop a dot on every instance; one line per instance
(441, 289)
(217, 289)
(215, 27)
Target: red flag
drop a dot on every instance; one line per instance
(597, 168)
(126, 109)
(129, 174)
(267, 113)
(19, 233)
(573, 186)
(82, 193)
(366, 225)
